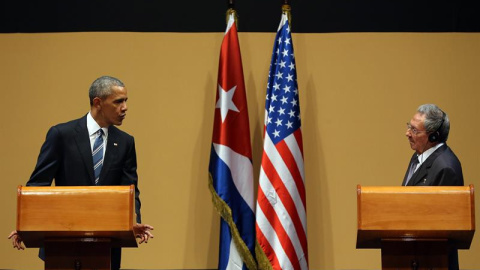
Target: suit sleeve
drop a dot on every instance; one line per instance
(130, 176)
(48, 160)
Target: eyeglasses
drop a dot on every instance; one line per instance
(414, 130)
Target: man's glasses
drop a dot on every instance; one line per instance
(414, 130)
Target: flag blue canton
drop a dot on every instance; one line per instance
(282, 104)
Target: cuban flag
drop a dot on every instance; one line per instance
(231, 171)
(281, 216)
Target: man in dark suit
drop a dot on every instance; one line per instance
(433, 163)
(71, 149)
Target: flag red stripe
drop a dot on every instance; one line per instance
(291, 164)
(289, 160)
(285, 196)
(298, 137)
(286, 199)
(276, 224)
(267, 249)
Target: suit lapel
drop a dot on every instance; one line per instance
(82, 140)
(111, 152)
(422, 172)
(419, 175)
(408, 169)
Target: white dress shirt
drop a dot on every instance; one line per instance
(426, 154)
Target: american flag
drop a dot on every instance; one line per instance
(281, 221)
(231, 170)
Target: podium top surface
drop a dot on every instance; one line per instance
(433, 212)
(76, 212)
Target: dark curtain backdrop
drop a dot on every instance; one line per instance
(309, 16)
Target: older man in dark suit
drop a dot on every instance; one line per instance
(433, 163)
(92, 151)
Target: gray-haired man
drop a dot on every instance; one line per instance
(433, 163)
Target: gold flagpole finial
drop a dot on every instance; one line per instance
(231, 11)
(287, 10)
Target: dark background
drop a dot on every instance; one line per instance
(308, 16)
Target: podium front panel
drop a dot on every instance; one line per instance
(415, 212)
(85, 211)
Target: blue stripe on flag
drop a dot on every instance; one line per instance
(225, 239)
(242, 215)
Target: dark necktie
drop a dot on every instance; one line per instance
(97, 155)
(411, 170)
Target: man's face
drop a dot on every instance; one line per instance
(417, 135)
(113, 108)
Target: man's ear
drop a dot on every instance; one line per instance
(97, 102)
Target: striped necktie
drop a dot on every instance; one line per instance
(97, 155)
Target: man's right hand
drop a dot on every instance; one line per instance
(16, 240)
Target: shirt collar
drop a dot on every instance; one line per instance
(427, 153)
(93, 127)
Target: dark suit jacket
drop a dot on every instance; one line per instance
(441, 168)
(66, 156)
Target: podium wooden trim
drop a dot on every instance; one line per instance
(76, 224)
(415, 220)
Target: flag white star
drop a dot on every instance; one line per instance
(289, 77)
(294, 102)
(285, 52)
(279, 75)
(278, 122)
(276, 86)
(286, 89)
(274, 97)
(276, 133)
(282, 63)
(269, 120)
(281, 111)
(291, 113)
(271, 109)
(225, 101)
(284, 99)
(287, 41)
(291, 66)
(289, 124)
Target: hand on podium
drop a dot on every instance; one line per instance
(16, 240)
(142, 231)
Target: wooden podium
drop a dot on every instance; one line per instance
(415, 227)
(77, 226)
